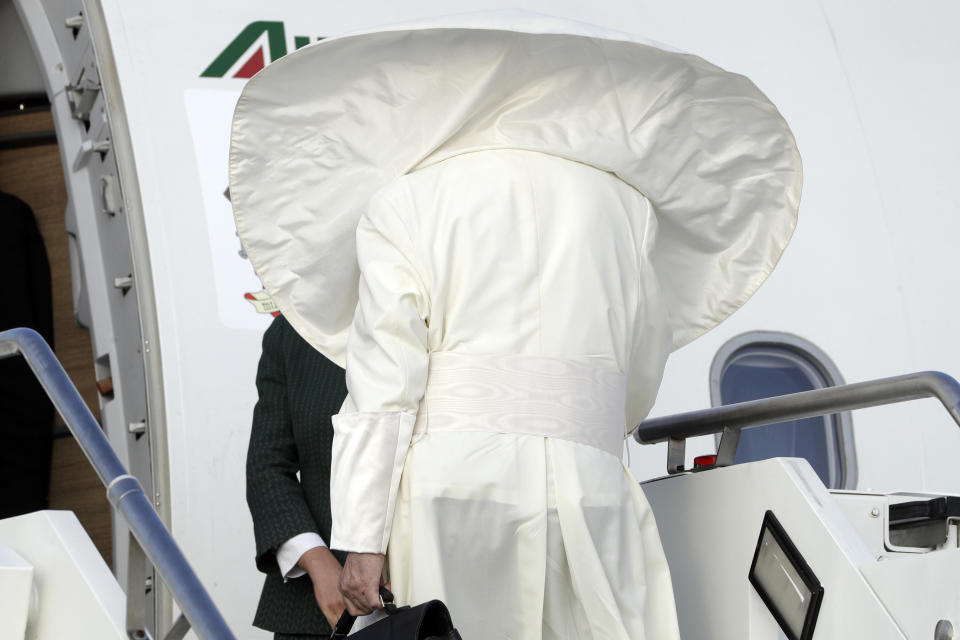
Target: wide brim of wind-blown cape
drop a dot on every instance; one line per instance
(321, 130)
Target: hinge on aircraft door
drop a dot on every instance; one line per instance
(74, 23)
(81, 97)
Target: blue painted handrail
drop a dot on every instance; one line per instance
(123, 490)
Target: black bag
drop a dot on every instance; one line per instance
(427, 621)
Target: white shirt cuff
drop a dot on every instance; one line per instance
(290, 552)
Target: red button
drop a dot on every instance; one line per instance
(704, 461)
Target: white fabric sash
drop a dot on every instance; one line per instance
(523, 394)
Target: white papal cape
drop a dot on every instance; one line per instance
(502, 231)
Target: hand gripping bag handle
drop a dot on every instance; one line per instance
(427, 621)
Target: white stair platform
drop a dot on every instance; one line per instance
(16, 581)
(76, 595)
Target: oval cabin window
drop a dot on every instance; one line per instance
(764, 364)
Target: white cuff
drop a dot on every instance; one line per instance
(290, 552)
(369, 449)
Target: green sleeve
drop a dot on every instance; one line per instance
(274, 494)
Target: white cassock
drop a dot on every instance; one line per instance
(502, 234)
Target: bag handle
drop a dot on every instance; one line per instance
(345, 623)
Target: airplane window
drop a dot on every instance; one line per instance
(764, 364)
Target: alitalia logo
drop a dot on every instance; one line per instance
(258, 44)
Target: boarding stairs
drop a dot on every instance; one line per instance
(857, 564)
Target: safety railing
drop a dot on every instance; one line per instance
(150, 537)
(730, 419)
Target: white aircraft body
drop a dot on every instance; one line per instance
(143, 95)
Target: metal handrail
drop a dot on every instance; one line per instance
(805, 404)
(730, 418)
(123, 490)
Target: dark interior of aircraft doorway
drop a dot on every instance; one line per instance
(31, 173)
(26, 428)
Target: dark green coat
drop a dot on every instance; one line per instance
(299, 389)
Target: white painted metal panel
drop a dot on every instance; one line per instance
(710, 523)
(16, 583)
(77, 597)
(919, 590)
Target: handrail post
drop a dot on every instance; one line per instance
(123, 490)
(676, 454)
(727, 449)
(136, 584)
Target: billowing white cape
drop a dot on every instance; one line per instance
(514, 226)
(320, 131)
